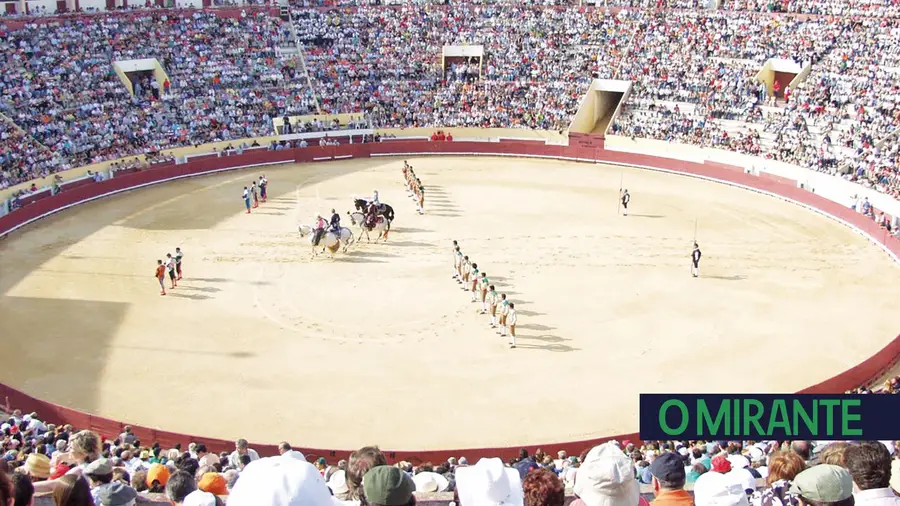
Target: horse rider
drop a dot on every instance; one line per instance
(319, 229)
(375, 198)
(335, 222)
(371, 215)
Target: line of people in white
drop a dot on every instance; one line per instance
(466, 273)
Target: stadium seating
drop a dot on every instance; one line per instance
(693, 71)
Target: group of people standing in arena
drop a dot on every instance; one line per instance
(467, 274)
(172, 265)
(414, 186)
(255, 192)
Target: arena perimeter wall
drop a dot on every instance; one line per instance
(779, 187)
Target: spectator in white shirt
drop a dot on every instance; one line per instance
(241, 448)
(127, 437)
(869, 464)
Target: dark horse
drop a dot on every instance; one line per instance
(383, 210)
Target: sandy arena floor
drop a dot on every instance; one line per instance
(381, 346)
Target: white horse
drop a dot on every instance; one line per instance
(330, 240)
(381, 225)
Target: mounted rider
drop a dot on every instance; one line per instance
(371, 215)
(335, 222)
(319, 229)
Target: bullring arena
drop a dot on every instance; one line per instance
(380, 344)
(127, 131)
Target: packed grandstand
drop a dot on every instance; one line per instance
(230, 75)
(693, 69)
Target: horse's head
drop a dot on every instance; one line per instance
(360, 204)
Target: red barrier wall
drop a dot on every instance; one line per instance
(863, 373)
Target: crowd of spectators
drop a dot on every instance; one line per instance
(38, 457)
(536, 65)
(21, 158)
(225, 81)
(693, 69)
(867, 8)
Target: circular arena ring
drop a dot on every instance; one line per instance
(379, 344)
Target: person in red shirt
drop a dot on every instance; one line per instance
(161, 276)
(449, 137)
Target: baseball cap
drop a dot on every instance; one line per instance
(99, 467)
(388, 486)
(158, 472)
(668, 467)
(823, 483)
(720, 464)
(213, 483)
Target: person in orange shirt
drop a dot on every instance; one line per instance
(161, 276)
(669, 477)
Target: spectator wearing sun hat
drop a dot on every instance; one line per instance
(430, 482)
(606, 478)
(668, 481)
(37, 467)
(279, 481)
(824, 484)
(389, 486)
(489, 483)
(719, 489)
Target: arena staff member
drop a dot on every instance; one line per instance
(695, 261)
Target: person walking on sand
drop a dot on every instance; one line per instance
(504, 312)
(246, 197)
(170, 266)
(493, 299)
(161, 276)
(511, 320)
(178, 256)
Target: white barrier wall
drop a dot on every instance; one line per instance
(831, 187)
